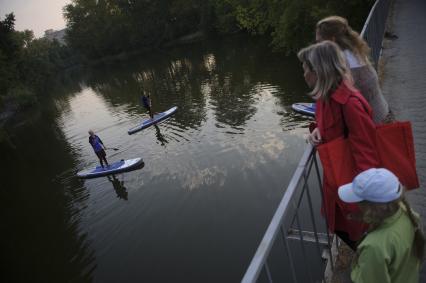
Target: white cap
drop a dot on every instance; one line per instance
(375, 185)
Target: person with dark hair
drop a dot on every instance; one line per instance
(99, 147)
(393, 247)
(146, 102)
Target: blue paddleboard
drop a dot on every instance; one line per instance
(307, 109)
(116, 167)
(157, 118)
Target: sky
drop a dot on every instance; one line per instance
(35, 15)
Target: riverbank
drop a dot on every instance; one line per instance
(10, 109)
(14, 114)
(187, 39)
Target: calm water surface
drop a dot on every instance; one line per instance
(214, 173)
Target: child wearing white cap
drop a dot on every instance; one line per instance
(393, 247)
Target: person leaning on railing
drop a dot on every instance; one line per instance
(356, 52)
(341, 111)
(393, 247)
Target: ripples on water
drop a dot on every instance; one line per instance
(214, 172)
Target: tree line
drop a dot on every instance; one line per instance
(105, 27)
(26, 64)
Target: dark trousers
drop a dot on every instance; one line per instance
(102, 157)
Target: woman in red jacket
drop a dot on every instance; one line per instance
(341, 111)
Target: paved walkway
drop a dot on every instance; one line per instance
(404, 83)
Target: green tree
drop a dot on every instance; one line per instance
(290, 23)
(27, 64)
(296, 26)
(109, 27)
(9, 49)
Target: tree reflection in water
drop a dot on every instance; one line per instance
(41, 210)
(118, 186)
(225, 76)
(223, 83)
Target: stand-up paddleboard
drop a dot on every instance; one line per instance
(157, 118)
(116, 167)
(307, 109)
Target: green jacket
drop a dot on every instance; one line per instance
(386, 255)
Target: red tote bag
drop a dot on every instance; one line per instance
(395, 148)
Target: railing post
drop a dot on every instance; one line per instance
(287, 248)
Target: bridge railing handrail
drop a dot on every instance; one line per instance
(374, 28)
(274, 227)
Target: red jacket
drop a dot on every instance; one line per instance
(347, 113)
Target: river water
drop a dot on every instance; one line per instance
(214, 173)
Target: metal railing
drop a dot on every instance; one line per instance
(374, 28)
(298, 212)
(286, 217)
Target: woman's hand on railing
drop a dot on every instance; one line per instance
(314, 138)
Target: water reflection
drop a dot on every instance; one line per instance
(215, 171)
(42, 204)
(118, 186)
(228, 77)
(160, 136)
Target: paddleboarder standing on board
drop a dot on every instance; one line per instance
(98, 147)
(146, 102)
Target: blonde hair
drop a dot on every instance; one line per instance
(376, 213)
(337, 29)
(329, 64)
